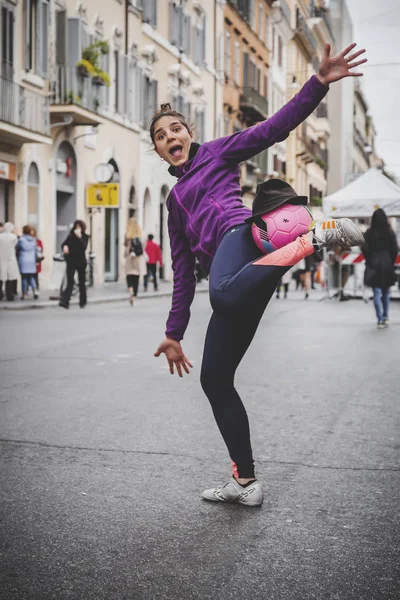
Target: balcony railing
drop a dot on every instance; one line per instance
(324, 15)
(71, 88)
(304, 32)
(24, 108)
(253, 104)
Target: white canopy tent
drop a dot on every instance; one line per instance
(361, 197)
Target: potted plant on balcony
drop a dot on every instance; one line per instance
(89, 63)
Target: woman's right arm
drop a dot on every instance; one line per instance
(183, 266)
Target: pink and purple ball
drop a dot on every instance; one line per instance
(283, 225)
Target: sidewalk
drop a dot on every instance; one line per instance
(101, 294)
(117, 292)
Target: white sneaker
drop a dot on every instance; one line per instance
(329, 233)
(233, 492)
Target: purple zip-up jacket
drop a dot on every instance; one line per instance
(206, 201)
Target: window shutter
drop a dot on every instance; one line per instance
(122, 84)
(28, 40)
(45, 38)
(174, 24)
(74, 41)
(38, 38)
(139, 96)
(61, 37)
(245, 69)
(150, 12)
(186, 34)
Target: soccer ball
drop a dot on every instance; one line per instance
(283, 225)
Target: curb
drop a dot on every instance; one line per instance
(32, 305)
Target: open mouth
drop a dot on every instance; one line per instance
(176, 151)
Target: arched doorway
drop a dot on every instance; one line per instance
(33, 196)
(65, 192)
(111, 231)
(163, 227)
(147, 216)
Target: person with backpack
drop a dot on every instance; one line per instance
(380, 250)
(134, 257)
(154, 255)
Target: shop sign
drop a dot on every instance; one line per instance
(103, 195)
(7, 170)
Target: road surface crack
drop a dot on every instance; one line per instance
(177, 455)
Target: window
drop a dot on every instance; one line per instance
(260, 20)
(149, 100)
(246, 78)
(266, 85)
(7, 42)
(236, 63)
(280, 51)
(199, 41)
(179, 28)
(36, 36)
(150, 12)
(267, 32)
(199, 125)
(227, 66)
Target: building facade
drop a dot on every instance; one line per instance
(80, 81)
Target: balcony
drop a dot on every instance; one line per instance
(76, 97)
(311, 150)
(304, 35)
(253, 105)
(24, 115)
(323, 14)
(322, 125)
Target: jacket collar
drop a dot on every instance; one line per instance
(179, 171)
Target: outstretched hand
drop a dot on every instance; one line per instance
(334, 68)
(175, 356)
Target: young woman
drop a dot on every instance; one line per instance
(380, 250)
(134, 258)
(74, 249)
(26, 252)
(206, 220)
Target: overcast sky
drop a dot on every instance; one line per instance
(377, 28)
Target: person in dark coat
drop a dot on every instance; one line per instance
(380, 251)
(74, 249)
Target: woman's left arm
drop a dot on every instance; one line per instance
(247, 143)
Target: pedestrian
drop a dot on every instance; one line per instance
(284, 281)
(74, 249)
(26, 253)
(134, 258)
(308, 262)
(380, 250)
(39, 256)
(207, 219)
(8, 262)
(154, 255)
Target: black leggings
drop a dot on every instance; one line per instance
(132, 282)
(239, 294)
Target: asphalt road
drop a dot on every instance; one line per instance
(104, 456)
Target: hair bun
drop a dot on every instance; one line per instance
(165, 107)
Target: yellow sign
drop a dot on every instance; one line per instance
(104, 195)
